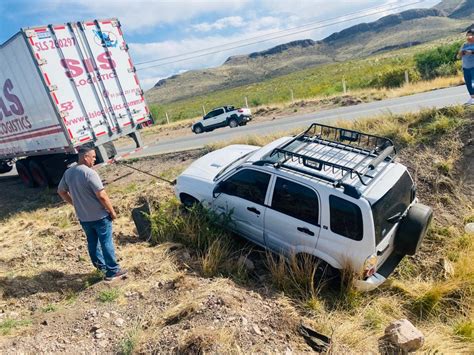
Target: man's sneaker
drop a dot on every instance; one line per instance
(470, 101)
(118, 275)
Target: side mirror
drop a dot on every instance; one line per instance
(218, 189)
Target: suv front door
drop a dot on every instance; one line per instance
(292, 221)
(214, 119)
(242, 197)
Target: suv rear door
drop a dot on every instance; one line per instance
(242, 197)
(292, 220)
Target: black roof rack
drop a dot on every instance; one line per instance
(369, 151)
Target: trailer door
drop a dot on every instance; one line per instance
(91, 78)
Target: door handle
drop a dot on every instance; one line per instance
(254, 210)
(305, 230)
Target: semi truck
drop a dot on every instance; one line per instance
(61, 87)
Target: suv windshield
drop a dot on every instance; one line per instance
(391, 206)
(233, 164)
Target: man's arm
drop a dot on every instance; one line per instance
(105, 201)
(65, 196)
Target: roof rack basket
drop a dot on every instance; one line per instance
(346, 153)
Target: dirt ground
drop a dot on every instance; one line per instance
(51, 301)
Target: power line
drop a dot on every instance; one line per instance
(268, 39)
(280, 31)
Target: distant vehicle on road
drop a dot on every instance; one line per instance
(222, 117)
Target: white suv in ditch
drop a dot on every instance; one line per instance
(331, 193)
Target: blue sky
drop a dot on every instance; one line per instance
(159, 29)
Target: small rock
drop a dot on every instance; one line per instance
(469, 228)
(243, 260)
(106, 315)
(256, 329)
(103, 343)
(95, 327)
(244, 321)
(447, 269)
(404, 335)
(99, 334)
(288, 351)
(119, 322)
(45, 322)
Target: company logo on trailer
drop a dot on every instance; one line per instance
(10, 105)
(105, 39)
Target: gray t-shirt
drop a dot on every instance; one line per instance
(82, 183)
(468, 59)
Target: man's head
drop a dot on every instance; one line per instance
(470, 35)
(87, 156)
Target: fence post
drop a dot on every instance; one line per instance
(167, 118)
(203, 111)
(292, 96)
(246, 102)
(407, 78)
(344, 87)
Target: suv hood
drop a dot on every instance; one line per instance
(208, 166)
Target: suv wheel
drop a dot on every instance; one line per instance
(233, 123)
(188, 201)
(413, 229)
(198, 129)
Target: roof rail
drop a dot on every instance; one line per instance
(307, 148)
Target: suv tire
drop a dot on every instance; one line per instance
(413, 229)
(5, 168)
(198, 129)
(233, 123)
(188, 201)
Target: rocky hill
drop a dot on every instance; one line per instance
(401, 30)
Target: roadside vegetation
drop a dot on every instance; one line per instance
(194, 287)
(369, 79)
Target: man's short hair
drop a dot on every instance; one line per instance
(84, 149)
(470, 31)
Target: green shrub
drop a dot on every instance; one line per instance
(438, 61)
(395, 78)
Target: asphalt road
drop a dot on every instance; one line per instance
(412, 103)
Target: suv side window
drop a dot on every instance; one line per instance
(346, 218)
(296, 200)
(218, 112)
(248, 184)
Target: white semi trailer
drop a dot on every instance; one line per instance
(61, 87)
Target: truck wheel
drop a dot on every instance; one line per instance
(24, 173)
(233, 123)
(413, 229)
(198, 129)
(5, 168)
(39, 174)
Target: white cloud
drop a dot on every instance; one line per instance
(223, 23)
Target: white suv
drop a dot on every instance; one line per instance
(222, 117)
(332, 193)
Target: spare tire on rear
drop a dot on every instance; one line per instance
(412, 229)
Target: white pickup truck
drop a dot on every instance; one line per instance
(221, 117)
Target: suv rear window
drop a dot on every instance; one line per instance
(346, 218)
(296, 201)
(393, 203)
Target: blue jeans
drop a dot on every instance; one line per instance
(468, 78)
(101, 246)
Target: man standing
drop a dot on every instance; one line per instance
(82, 187)
(467, 55)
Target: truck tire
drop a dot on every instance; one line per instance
(198, 129)
(39, 174)
(233, 123)
(5, 168)
(413, 229)
(24, 172)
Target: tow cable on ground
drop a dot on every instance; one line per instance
(121, 162)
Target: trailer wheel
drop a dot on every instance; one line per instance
(24, 173)
(5, 168)
(40, 177)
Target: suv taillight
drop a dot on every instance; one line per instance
(240, 110)
(369, 266)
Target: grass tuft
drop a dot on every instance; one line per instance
(8, 325)
(108, 296)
